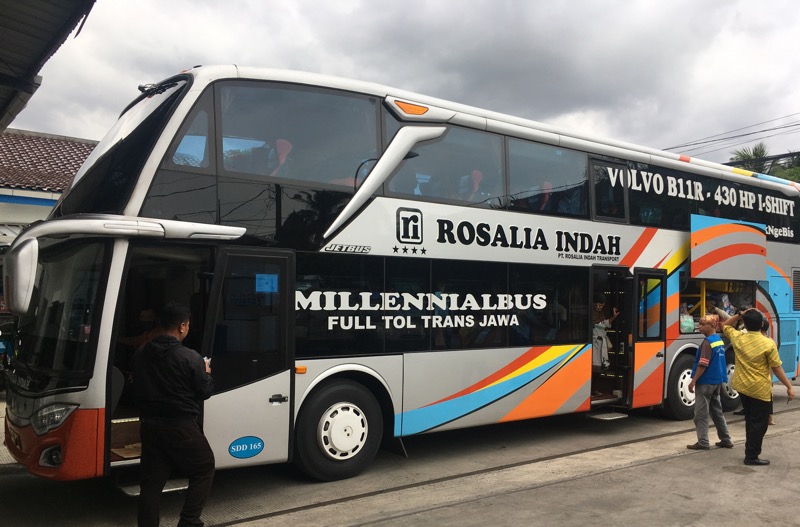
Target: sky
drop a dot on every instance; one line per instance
(651, 72)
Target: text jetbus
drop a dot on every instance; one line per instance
(366, 263)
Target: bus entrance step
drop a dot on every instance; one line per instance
(606, 416)
(172, 485)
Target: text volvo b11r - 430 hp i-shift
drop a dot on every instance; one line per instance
(364, 264)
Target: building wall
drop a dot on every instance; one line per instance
(23, 207)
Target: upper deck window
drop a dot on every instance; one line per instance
(610, 197)
(461, 166)
(252, 153)
(194, 148)
(666, 198)
(316, 136)
(546, 179)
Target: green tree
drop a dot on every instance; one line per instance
(753, 158)
(787, 168)
(791, 172)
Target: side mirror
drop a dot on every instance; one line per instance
(19, 275)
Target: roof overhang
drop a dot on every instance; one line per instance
(30, 33)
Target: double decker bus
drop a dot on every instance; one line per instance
(364, 264)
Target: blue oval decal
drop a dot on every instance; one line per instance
(245, 447)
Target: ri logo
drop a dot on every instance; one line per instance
(409, 225)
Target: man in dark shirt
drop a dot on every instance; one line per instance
(170, 381)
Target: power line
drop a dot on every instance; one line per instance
(697, 141)
(710, 141)
(729, 145)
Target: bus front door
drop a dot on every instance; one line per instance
(248, 336)
(611, 357)
(649, 334)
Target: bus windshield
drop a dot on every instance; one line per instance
(105, 180)
(52, 349)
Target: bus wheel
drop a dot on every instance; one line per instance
(730, 397)
(680, 401)
(339, 431)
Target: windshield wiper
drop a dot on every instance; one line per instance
(156, 89)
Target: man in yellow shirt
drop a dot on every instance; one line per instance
(756, 360)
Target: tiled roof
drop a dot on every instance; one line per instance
(34, 161)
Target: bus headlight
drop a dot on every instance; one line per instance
(51, 417)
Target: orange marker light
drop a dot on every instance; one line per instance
(411, 109)
(300, 369)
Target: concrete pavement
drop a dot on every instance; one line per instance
(648, 480)
(651, 482)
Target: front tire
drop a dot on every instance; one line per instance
(339, 431)
(680, 401)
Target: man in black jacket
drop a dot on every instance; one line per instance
(170, 382)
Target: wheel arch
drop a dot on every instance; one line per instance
(364, 375)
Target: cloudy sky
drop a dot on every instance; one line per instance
(653, 72)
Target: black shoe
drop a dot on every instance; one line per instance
(725, 444)
(739, 412)
(698, 446)
(756, 461)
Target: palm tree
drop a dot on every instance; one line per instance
(753, 158)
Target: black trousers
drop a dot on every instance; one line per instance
(166, 448)
(756, 422)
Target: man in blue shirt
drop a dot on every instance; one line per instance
(708, 375)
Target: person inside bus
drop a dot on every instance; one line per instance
(573, 201)
(469, 185)
(170, 383)
(538, 325)
(541, 199)
(601, 321)
(146, 327)
(145, 330)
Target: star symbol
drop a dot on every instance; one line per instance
(395, 249)
(405, 250)
(422, 250)
(414, 250)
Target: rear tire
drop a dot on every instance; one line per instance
(729, 397)
(680, 401)
(339, 431)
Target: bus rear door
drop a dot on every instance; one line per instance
(248, 336)
(649, 337)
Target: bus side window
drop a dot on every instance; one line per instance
(610, 201)
(461, 166)
(405, 182)
(545, 179)
(193, 148)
